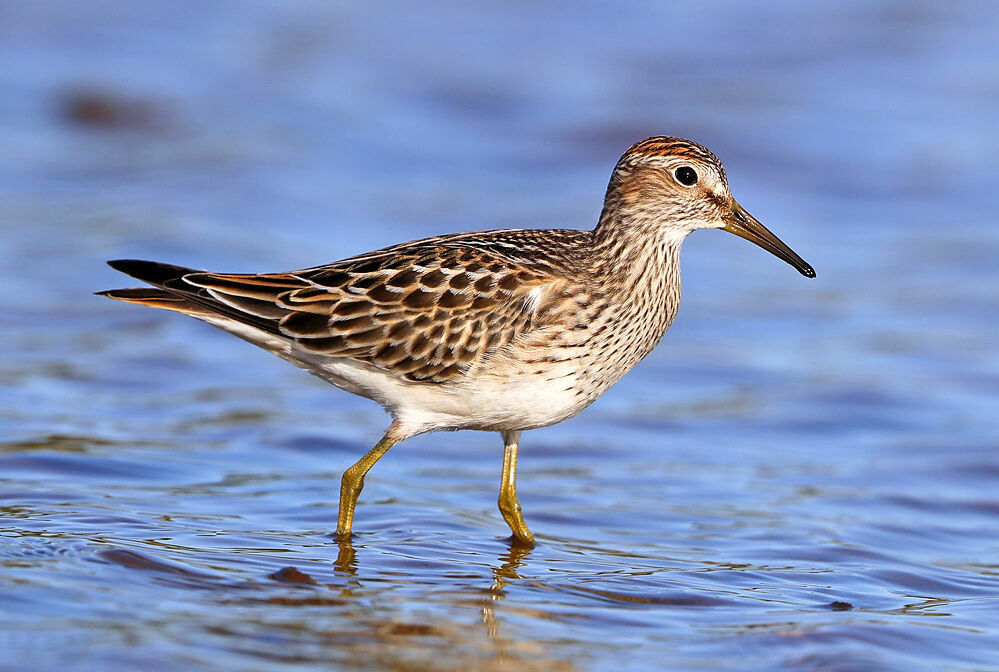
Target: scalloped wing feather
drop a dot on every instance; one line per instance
(427, 310)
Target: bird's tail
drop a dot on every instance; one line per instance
(156, 274)
(156, 298)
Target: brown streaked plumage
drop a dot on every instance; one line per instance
(495, 330)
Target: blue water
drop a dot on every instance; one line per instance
(803, 476)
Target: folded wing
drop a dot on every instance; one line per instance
(425, 311)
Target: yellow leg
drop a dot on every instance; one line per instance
(508, 504)
(353, 481)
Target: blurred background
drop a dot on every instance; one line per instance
(802, 476)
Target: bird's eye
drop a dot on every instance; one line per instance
(686, 176)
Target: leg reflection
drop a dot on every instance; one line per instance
(346, 560)
(504, 573)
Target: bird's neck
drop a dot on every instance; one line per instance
(637, 261)
(631, 245)
(634, 294)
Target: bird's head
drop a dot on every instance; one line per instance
(678, 186)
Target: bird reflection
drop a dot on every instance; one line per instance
(506, 571)
(505, 651)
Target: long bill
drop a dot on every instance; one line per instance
(744, 225)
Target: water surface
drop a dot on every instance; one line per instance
(802, 476)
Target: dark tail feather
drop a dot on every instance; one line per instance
(156, 298)
(173, 293)
(153, 272)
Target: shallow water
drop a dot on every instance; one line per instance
(803, 476)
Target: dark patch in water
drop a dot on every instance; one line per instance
(292, 575)
(104, 109)
(839, 606)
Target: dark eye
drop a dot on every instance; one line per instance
(686, 176)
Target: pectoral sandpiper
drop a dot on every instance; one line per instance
(495, 330)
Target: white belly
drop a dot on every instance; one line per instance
(484, 401)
